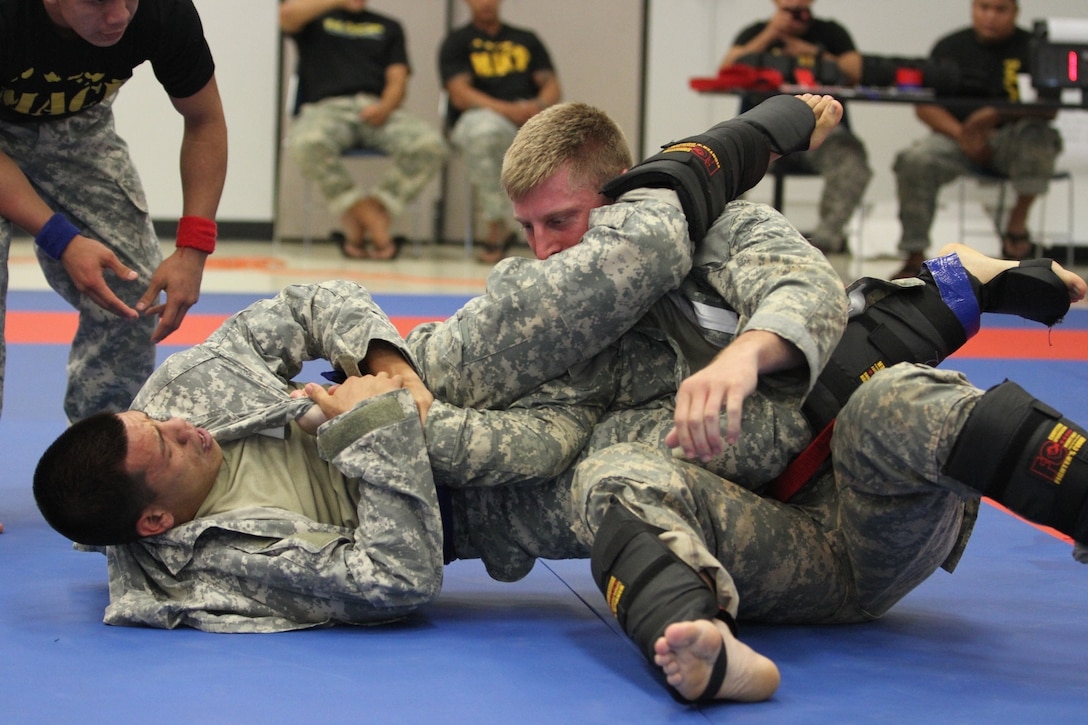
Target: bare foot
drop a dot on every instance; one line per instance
(376, 218)
(354, 233)
(986, 268)
(828, 112)
(686, 654)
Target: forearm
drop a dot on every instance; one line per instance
(548, 93)
(295, 14)
(203, 152)
(536, 439)
(939, 120)
(336, 321)
(758, 44)
(767, 352)
(777, 283)
(380, 444)
(396, 87)
(464, 96)
(19, 203)
(850, 65)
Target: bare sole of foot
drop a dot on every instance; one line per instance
(686, 654)
(986, 268)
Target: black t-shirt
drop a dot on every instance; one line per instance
(501, 65)
(827, 34)
(986, 70)
(45, 75)
(342, 53)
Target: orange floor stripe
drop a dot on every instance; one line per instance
(1045, 529)
(1027, 344)
(44, 328)
(57, 328)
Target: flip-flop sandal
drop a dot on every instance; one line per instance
(494, 253)
(379, 254)
(348, 249)
(1016, 238)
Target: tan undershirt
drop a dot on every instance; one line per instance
(285, 473)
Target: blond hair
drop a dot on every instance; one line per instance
(568, 133)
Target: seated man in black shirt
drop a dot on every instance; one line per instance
(498, 77)
(1017, 143)
(841, 161)
(352, 79)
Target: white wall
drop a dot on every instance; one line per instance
(244, 38)
(597, 49)
(594, 66)
(689, 37)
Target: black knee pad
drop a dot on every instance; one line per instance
(709, 170)
(1023, 454)
(907, 324)
(646, 586)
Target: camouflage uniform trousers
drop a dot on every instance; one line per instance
(843, 164)
(482, 137)
(508, 526)
(325, 129)
(1023, 150)
(870, 527)
(81, 167)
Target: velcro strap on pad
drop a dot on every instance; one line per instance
(787, 127)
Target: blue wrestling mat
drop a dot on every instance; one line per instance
(1003, 640)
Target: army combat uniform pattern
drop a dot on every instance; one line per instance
(229, 388)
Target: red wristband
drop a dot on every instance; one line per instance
(196, 232)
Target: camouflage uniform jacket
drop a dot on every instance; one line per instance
(753, 264)
(263, 569)
(483, 453)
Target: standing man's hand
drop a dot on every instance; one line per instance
(86, 261)
(179, 276)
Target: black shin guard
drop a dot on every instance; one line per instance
(711, 169)
(1023, 454)
(911, 324)
(646, 586)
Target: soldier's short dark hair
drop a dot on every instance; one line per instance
(82, 489)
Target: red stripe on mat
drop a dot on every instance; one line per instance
(1045, 529)
(1027, 345)
(58, 328)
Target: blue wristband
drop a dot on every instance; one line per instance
(56, 235)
